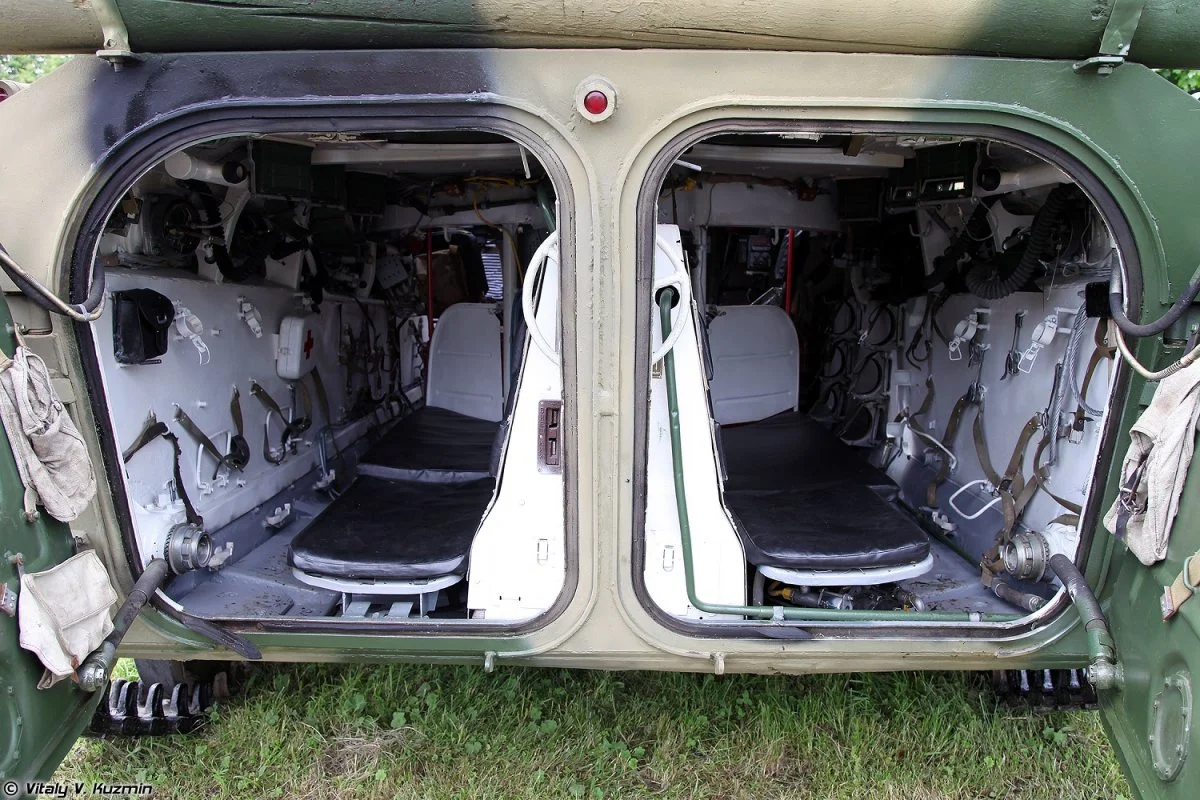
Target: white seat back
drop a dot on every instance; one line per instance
(465, 365)
(756, 363)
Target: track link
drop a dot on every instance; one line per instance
(1044, 689)
(136, 708)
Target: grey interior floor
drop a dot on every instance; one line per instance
(953, 585)
(261, 584)
(258, 581)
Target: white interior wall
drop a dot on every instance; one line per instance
(204, 392)
(750, 206)
(1008, 404)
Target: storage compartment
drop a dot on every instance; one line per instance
(891, 379)
(298, 436)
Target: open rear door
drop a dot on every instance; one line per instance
(37, 726)
(1155, 621)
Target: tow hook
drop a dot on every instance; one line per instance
(1104, 671)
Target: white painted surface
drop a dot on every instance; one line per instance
(757, 206)
(756, 363)
(465, 365)
(518, 563)
(204, 392)
(720, 564)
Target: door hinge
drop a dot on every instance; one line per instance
(1118, 36)
(549, 443)
(116, 49)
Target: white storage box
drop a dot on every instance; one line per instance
(296, 354)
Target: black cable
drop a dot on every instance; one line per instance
(1133, 285)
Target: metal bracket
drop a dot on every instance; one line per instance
(1118, 36)
(8, 600)
(116, 49)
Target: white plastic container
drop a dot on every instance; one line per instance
(296, 353)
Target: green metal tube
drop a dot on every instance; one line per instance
(765, 612)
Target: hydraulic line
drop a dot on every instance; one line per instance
(993, 280)
(665, 302)
(1188, 359)
(91, 309)
(1104, 671)
(1121, 285)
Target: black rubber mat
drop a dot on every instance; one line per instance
(791, 451)
(436, 440)
(393, 530)
(847, 526)
(804, 499)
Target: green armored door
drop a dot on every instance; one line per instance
(1155, 619)
(37, 726)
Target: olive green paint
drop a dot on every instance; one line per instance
(36, 727)
(1131, 130)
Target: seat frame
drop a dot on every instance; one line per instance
(359, 594)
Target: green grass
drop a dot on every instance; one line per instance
(432, 732)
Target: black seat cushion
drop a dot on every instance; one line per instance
(791, 451)
(847, 526)
(393, 530)
(435, 440)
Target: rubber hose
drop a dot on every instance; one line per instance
(1133, 287)
(96, 294)
(986, 280)
(1081, 594)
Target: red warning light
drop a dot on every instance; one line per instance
(596, 102)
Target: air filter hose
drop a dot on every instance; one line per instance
(994, 279)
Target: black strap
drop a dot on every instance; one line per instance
(291, 430)
(235, 411)
(154, 430)
(223, 459)
(1127, 504)
(322, 396)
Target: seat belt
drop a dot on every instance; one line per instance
(291, 430)
(948, 442)
(1012, 489)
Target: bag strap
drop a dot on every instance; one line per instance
(1182, 589)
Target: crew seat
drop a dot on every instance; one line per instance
(404, 528)
(810, 510)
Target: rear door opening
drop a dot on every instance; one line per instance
(892, 386)
(316, 368)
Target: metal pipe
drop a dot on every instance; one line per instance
(665, 301)
(94, 672)
(1104, 671)
(993, 181)
(1026, 600)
